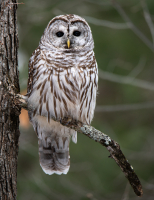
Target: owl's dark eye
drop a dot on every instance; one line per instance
(59, 34)
(77, 33)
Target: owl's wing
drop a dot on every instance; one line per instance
(31, 70)
(30, 74)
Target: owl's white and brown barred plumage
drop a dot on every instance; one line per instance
(62, 83)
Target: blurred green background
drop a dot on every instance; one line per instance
(123, 33)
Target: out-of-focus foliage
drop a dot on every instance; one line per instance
(120, 50)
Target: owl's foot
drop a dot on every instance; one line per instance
(66, 121)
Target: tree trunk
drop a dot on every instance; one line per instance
(9, 113)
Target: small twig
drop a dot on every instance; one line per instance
(139, 67)
(132, 26)
(16, 3)
(124, 107)
(106, 23)
(112, 146)
(126, 193)
(5, 6)
(107, 3)
(148, 18)
(126, 80)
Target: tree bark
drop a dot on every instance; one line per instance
(9, 114)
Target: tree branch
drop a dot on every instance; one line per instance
(148, 19)
(131, 25)
(112, 146)
(106, 23)
(124, 107)
(125, 80)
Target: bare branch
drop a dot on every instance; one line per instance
(126, 193)
(16, 3)
(148, 18)
(132, 26)
(112, 146)
(106, 23)
(118, 63)
(107, 3)
(47, 190)
(124, 107)
(126, 80)
(139, 67)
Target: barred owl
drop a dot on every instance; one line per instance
(62, 83)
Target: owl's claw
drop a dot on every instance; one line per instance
(65, 121)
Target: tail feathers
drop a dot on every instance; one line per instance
(54, 155)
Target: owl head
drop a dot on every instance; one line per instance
(67, 33)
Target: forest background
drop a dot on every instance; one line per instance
(123, 33)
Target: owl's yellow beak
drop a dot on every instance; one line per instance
(68, 43)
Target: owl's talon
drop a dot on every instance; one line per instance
(65, 121)
(68, 121)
